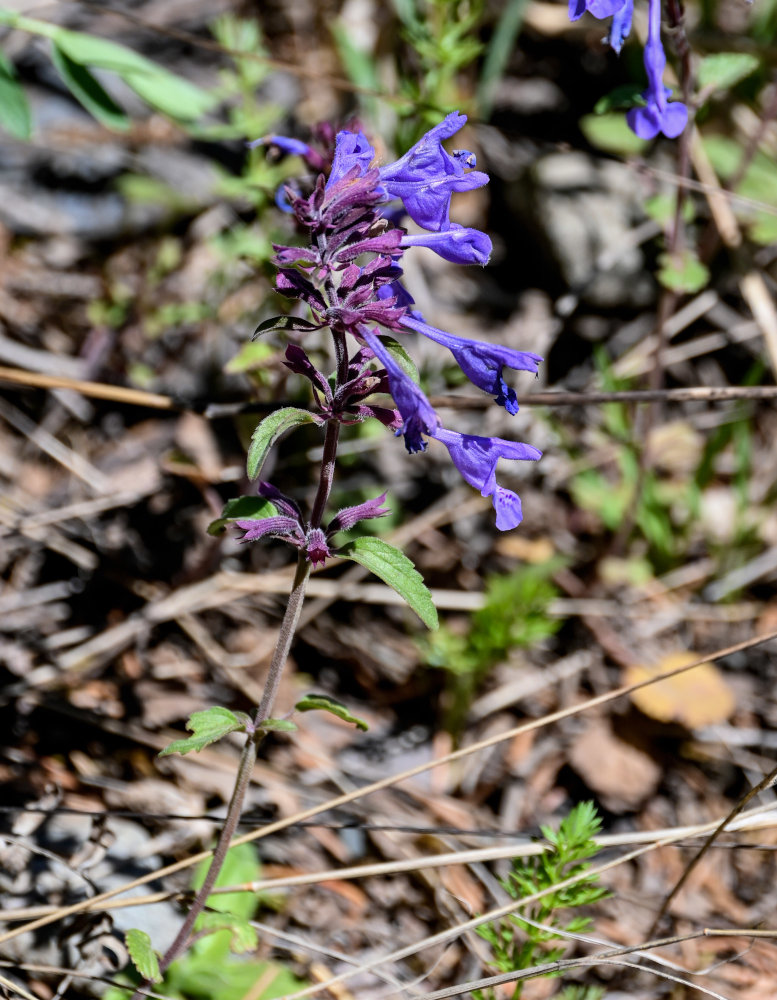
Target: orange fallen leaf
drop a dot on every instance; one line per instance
(621, 775)
(699, 697)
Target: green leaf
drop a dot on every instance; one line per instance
(269, 431)
(251, 355)
(402, 358)
(611, 133)
(295, 323)
(160, 88)
(323, 703)
(243, 936)
(89, 50)
(14, 109)
(724, 69)
(763, 229)
(207, 726)
(143, 955)
(627, 95)
(682, 272)
(242, 509)
(661, 208)
(89, 91)
(170, 94)
(241, 865)
(278, 725)
(395, 569)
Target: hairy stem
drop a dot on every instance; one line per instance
(246, 766)
(247, 761)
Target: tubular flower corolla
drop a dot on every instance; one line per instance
(660, 115)
(482, 362)
(476, 457)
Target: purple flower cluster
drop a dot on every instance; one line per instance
(289, 524)
(659, 114)
(349, 275)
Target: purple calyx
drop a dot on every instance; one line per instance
(290, 527)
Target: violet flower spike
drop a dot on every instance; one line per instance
(418, 416)
(660, 115)
(476, 457)
(459, 244)
(481, 361)
(427, 175)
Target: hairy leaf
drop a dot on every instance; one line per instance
(207, 727)
(402, 358)
(243, 936)
(395, 569)
(242, 509)
(143, 955)
(296, 323)
(278, 725)
(269, 431)
(323, 703)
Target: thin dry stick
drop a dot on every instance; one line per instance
(58, 970)
(767, 782)
(759, 818)
(569, 963)
(12, 986)
(376, 786)
(154, 400)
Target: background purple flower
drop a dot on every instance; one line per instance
(660, 115)
(599, 8)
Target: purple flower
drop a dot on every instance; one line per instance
(351, 149)
(476, 457)
(317, 549)
(418, 416)
(660, 115)
(620, 26)
(599, 8)
(459, 244)
(293, 147)
(426, 176)
(482, 362)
